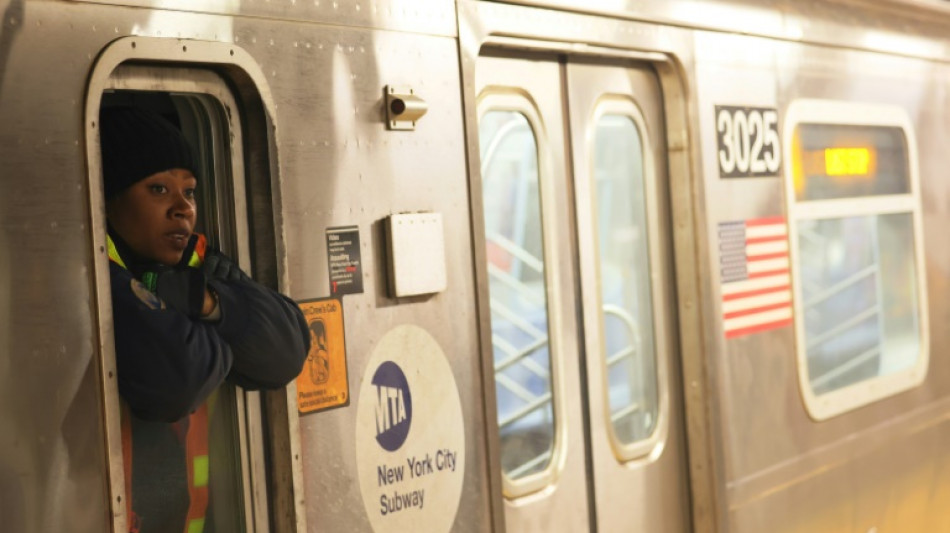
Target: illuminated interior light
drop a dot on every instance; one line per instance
(847, 161)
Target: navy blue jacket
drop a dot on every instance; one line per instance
(169, 363)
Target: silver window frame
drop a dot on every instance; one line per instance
(504, 99)
(626, 452)
(832, 112)
(186, 66)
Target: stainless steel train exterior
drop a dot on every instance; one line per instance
(765, 182)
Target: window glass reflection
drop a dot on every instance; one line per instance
(859, 297)
(627, 307)
(519, 316)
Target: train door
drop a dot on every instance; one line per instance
(580, 279)
(637, 441)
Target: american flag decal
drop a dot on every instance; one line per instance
(756, 287)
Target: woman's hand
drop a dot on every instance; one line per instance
(219, 266)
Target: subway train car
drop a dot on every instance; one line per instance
(612, 265)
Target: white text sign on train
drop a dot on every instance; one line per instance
(748, 142)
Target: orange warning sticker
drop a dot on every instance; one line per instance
(323, 384)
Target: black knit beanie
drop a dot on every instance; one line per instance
(136, 144)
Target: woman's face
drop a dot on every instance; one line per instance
(156, 216)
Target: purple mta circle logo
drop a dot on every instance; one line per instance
(393, 406)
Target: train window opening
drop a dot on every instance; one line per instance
(626, 306)
(511, 184)
(854, 208)
(205, 124)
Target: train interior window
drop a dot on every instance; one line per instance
(517, 291)
(857, 260)
(203, 121)
(624, 270)
(859, 297)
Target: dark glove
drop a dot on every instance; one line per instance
(219, 266)
(182, 289)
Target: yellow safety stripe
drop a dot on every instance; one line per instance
(114, 254)
(200, 469)
(195, 261)
(196, 525)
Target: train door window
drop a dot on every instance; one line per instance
(511, 182)
(626, 304)
(855, 217)
(201, 106)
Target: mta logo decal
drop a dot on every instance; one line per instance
(393, 406)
